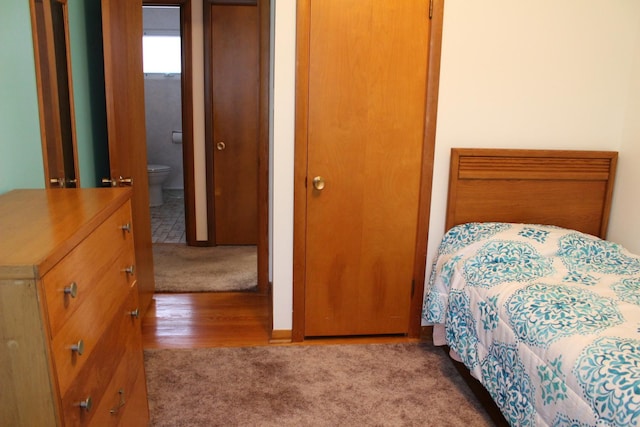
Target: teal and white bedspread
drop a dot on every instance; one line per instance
(548, 319)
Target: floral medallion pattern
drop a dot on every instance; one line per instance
(460, 329)
(608, 371)
(628, 290)
(580, 278)
(504, 261)
(583, 252)
(536, 234)
(506, 379)
(548, 319)
(541, 314)
(489, 310)
(552, 381)
(466, 234)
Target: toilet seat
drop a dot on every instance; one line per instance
(158, 168)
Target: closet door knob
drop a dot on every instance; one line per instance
(126, 227)
(221, 146)
(318, 183)
(130, 270)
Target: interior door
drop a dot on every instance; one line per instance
(50, 26)
(124, 90)
(234, 73)
(367, 78)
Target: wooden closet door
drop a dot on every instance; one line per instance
(235, 80)
(124, 92)
(365, 129)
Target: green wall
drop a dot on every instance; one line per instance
(20, 150)
(20, 146)
(85, 32)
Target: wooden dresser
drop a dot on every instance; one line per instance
(71, 349)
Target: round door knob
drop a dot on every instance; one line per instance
(318, 183)
(221, 146)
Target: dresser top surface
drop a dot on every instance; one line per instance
(38, 227)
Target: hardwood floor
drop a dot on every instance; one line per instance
(207, 320)
(235, 319)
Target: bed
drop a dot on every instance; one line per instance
(526, 292)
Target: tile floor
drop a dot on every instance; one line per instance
(167, 221)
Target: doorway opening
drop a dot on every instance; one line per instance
(170, 112)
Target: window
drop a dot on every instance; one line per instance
(161, 54)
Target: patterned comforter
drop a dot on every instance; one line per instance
(548, 319)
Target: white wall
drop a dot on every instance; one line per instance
(624, 226)
(533, 74)
(281, 167)
(549, 74)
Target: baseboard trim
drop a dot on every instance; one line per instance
(279, 336)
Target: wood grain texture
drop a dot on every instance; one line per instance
(38, 368)
(207, 320)
(23, 339)
(86, 265)
(235, 75)
(124, 92)
(365, 135)
(571, 189)
(115, 363)
(53, 222)
(200, 320)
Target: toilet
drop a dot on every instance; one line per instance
(157, 175)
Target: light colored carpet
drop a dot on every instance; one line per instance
(309, 385)
(181, 268)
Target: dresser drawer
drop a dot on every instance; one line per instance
(89, 321)
(124, 402)
(114, 364)
(85, 266)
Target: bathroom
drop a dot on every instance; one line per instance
(163, 115)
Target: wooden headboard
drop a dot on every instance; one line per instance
(570, 189)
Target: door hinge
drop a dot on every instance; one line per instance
(430, 9)
(413, 287)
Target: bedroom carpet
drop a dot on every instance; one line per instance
(412, 384)
(181, 268)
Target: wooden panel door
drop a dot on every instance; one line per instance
(234, 132)
(367, 78)
(50, 27)
(124, 90)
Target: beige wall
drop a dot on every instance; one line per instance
(536, 74)
(625, 216)
(517, 74)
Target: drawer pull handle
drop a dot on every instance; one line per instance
(126, 227)
(78, 348)
(135, 313)
(120, 404)
(130, 270)
(71, 290)
(86, 404)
